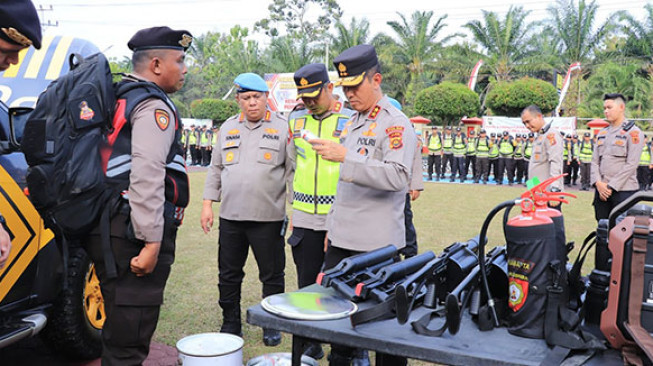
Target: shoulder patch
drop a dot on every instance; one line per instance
(396, 135)
(552, 138)
(635, 136)
(162, 118)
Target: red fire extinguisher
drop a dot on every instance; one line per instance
(532, 250)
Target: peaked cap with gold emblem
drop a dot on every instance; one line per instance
(160, 38)
(310, 79)
(353, 62)
(19, 23)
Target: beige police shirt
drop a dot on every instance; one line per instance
(368, 212)
(616, 157)
(546, 157)
(150, 145)
(249, 168)
(417, 176)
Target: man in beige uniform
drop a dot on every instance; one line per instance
(376, 154)
(546, 157)
(147, 166)
(248, 173)
(615, 158)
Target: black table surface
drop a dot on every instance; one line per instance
(469, 346)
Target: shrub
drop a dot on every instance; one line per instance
(214, 109)
(510, 98)
(447, 102)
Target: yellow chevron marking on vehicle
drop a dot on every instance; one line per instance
(37, 60)
(26, 225)
(12, 71)
(59, 57)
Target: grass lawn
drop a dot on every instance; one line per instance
(444, 213)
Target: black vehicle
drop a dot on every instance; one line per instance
(36, 296)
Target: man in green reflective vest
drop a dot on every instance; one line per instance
(459, 148)
(483, 145)
(518, 156)
(585, 156)
(566, 158)
(574, 155)
(528, 151)
(315, 180)
(506, 162)
(644, 162)
(192, 142)
(447, 148)
(470, 155)
(434, 144)
(493, 156)
(184, 141)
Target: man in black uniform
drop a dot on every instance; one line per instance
(19, 29)
(154, 194)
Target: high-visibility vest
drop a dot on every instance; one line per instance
(447, 143)
(506, 148)
(192, 138)
(645, 158)
(184, 137)
(519, 150)
(482, 147)
(471, 146)
(435, 142)
(494, 150)
(528, 149)
(204, 139)
(316, 179)
(586, 149)
(565, 151)
(459, 145)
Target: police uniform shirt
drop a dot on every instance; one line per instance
(616, 157)
(417, 175)
(546, 157)
(300, 218)
(249, 168)
(151, 141)
(368, 212)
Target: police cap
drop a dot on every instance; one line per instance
(586, 134)
(575, 136)
(395, 103)
(160, 38)
(353, 63)
(472, 132)
(448, 128)
(505, 133)
(493, 134)
(310, 79)
(19, 23)
(530, 134)
(458, 129)
(250, 82)
(481, 131)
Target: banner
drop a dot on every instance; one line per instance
(283, 91)
(515, 125)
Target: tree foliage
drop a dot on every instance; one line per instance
(510, 98)
(447, 102)
(214, 109)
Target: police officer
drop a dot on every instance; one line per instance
(315, 179)
(483, 144)
(585, 157)
(506, 162)
(493, 157)
(248, 173)
(434, 145)
(19, 29)
(644, 163)
(447, 152)
(614, 162)
(459, 148)
(192, 142)
(376, 154)
(574, 153)
(518, 156)
(470, 155)
(208, 147)
(567, 158)
(149, 169)
(546, 160)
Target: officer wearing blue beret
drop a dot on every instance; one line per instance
(19, 29)
(248, 173)
(376, 154)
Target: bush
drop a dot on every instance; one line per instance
(510, 98)
(214, 109)
(447, 102)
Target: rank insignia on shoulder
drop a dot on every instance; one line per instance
(162, 118)
(337, 107)
(375, 112)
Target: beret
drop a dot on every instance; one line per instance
(160, 38)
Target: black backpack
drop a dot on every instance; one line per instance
(61, 142)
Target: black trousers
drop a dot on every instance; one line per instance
(447, 159)
(470, 160)
(585, 173)
(602, 209)
(507, 165)
(435, 161)
(235, 239)
(308, 254)
(519, 170)
(483, 164)
(526, 162)
(458, 168)
(206, 156)
(566, 169)
(131, 303)
(410, 250)
(193, 154)
(332, 257)
(642, 176)
(494, 168)
(573, 170)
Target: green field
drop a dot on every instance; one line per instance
(444, 213)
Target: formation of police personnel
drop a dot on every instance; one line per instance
(199, 141)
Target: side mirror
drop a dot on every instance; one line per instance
(17, 120)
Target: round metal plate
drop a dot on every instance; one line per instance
(308, 306)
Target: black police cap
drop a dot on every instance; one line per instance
(482, 130)
(493, 134)
(472, 132)
(353, 62)
(530, 134)
(19, 23)
(310, 79)
(586, 134)
(505, 133)
(160, 38)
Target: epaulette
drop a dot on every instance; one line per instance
(628, 125)
(374, 112)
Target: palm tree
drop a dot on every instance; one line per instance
(346, 37)
(639, 35)
(503, 40)
(288, 54)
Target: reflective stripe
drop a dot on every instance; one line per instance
(307, 198)
(118, 160)
(119, 170)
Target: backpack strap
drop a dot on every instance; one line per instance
(634, 325)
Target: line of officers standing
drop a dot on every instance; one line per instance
(198, 141)
(498, 155)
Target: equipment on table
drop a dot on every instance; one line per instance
(308, 306)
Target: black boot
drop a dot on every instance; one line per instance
(231, 318)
